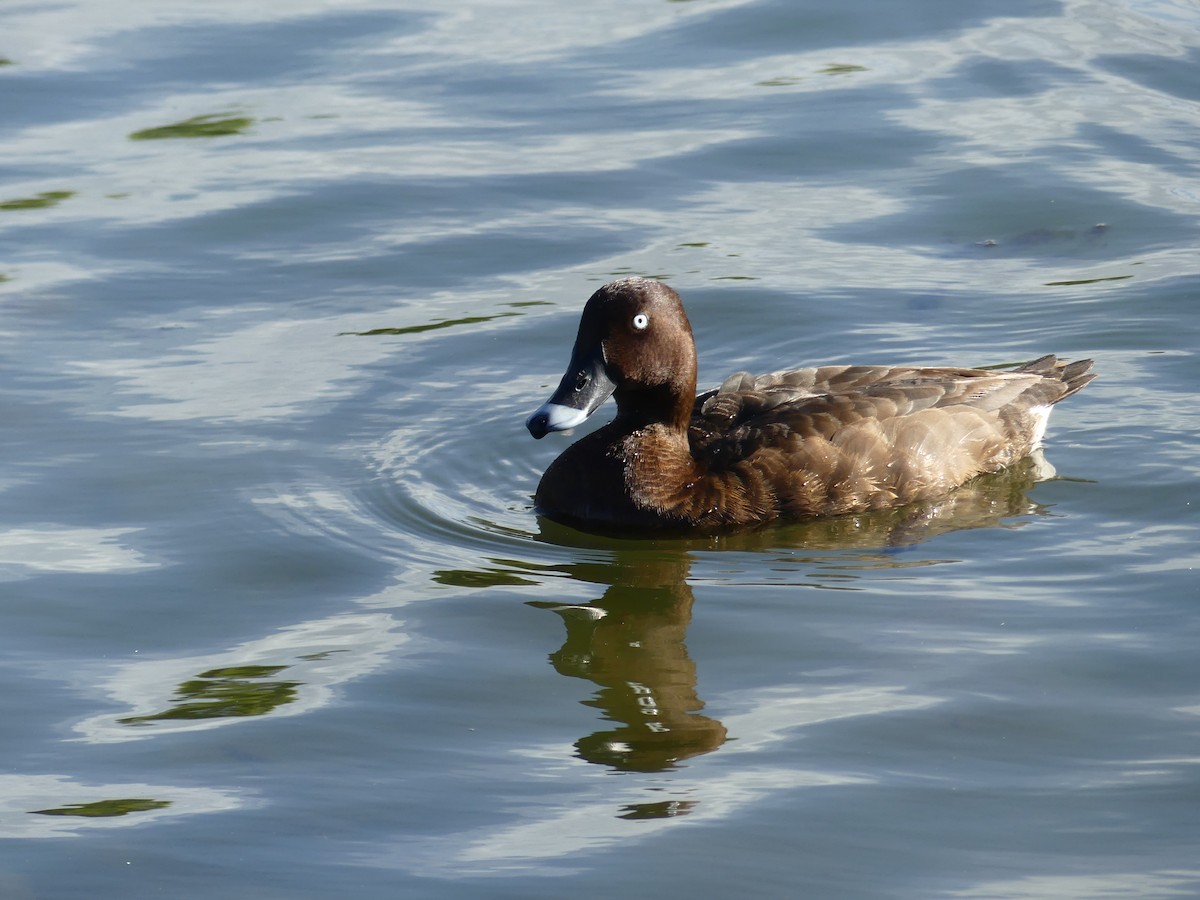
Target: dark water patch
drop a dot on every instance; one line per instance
(285, 49)
(976, 79)
(42, 98)
(810, 144)
(778, 27)
(1014, 212)
(1172, 75)
(1115, 143)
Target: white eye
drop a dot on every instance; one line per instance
(640, 321)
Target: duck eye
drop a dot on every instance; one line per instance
(640, 321)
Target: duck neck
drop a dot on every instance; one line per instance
(669, 405)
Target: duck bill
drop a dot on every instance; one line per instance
(583, 388)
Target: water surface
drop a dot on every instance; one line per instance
(278, 287)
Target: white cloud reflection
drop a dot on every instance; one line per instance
(522, 31)
(317, 656)
(247, 374)
(1161, 884)
(73, 34)
(24, 551)
(589, 826)
(23, 796)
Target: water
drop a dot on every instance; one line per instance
(278, 287)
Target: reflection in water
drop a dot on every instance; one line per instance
(221, 693)
(630, 641)
(100, 809)
(479, 578)
(48, 806)
(664, 809)
(429, 326)
(798, 80)
(170, 695)
(40, 201)
(195, 127)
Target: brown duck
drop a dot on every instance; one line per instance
(788, 445)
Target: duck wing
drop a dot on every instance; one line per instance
(747, 412)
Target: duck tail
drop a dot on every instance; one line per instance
(1074, 375)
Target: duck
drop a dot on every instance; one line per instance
(789, 445)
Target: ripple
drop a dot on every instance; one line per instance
(446, 485)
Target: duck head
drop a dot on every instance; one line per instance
(635, 344)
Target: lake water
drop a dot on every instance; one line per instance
(280, 283)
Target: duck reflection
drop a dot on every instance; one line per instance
(630, 641)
